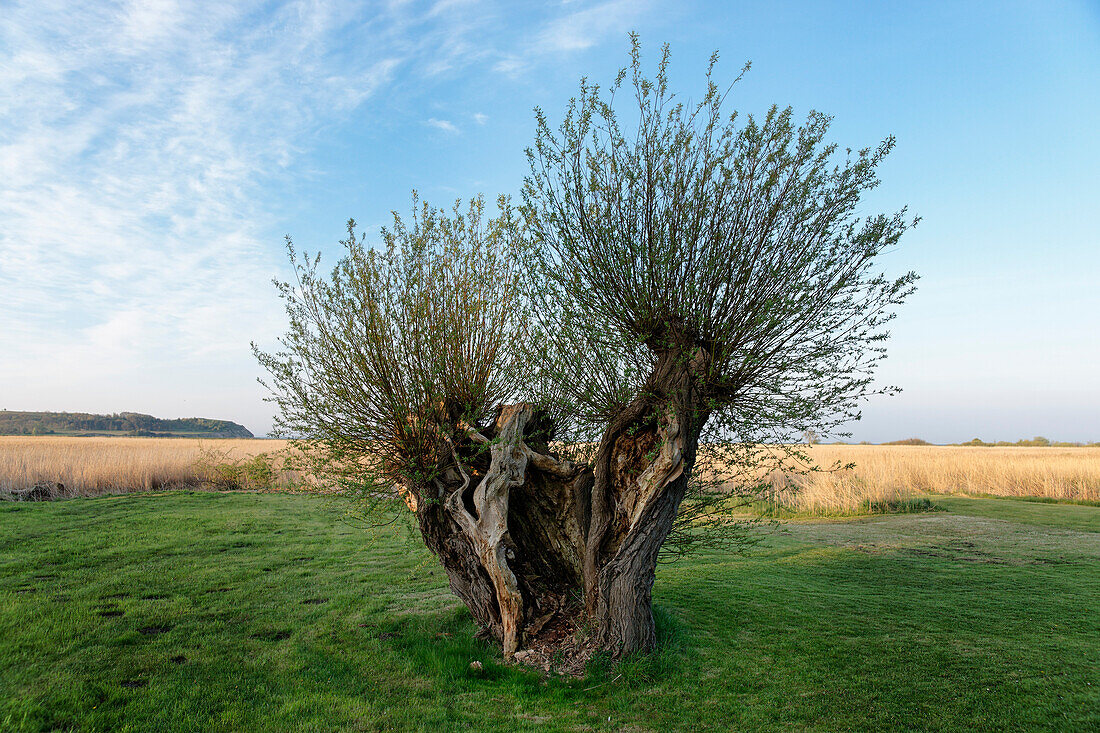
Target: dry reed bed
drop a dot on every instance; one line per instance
(896, 473)
(91, 466)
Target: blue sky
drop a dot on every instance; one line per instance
(153, 154)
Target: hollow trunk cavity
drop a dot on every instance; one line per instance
(555, 559)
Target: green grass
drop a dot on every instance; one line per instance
(867, 507)
(239, 612)
(1053, 500)
(1061, 515)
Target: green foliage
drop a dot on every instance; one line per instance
(774, 510)
(731, 240)
(698, 233)
(399, 345)
(899, 506)
(695, 236)
(221, 470)
(128, 423)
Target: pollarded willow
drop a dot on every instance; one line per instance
(540, 388)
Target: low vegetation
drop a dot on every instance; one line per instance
(882, 478)
(895, 475)
(253, 612)
(93, 466)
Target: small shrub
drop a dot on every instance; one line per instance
(224, 472)
(899, 506)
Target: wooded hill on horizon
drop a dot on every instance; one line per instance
(14, 422)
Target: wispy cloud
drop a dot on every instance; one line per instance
(510, 64)
(573, 31)
(584, 28)
(135, 137)
(444, 125)
(139, 140)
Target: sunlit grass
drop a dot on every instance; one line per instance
(263, 612)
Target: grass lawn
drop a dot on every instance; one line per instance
(238, 612)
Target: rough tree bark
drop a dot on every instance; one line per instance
(550, 556)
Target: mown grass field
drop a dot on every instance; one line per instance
(239, 612)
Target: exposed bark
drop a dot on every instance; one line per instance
(644, 465)
(538, 547)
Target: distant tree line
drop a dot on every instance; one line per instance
(1037, 442)
(128, 423)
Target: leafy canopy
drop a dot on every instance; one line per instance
(695, 230)
(399, 342)
(692, 231)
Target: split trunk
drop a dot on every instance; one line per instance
(552, 556)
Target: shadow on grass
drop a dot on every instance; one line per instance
(1051, 500)
(642, 670)
(442, 646)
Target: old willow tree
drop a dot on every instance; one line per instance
(563, 391)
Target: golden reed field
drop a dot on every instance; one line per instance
(898, 472)
(92, 466)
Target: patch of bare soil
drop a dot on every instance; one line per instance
(558, 645)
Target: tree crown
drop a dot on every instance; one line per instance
(699, 233)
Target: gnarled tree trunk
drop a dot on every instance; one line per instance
(541, 549)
